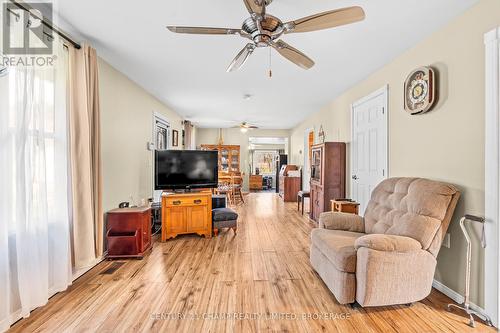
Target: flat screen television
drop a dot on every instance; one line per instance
(185, 169)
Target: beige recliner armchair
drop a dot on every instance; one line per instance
(389, 256)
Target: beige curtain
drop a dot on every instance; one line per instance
(188, 135)
(85, 153)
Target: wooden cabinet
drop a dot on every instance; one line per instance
(128, 232)
(256, 182)
(288, 186)
(186, 213)
(327, 176)
(229, 157)
(345, 206)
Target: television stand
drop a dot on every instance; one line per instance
(186, 213)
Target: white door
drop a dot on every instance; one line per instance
(369, 146)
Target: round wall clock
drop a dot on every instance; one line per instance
(420, 91)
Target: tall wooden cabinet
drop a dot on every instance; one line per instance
(327, 176)
(229, 157)
(186, 213)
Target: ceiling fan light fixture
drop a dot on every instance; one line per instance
(244, 130)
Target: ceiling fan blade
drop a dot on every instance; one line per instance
(292, 54)
(241, 58)
(327, 20)
(203, 30)
(256, 6)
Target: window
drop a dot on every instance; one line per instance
(161, 133)
(34, 201)
(264, 161)
(37, 122)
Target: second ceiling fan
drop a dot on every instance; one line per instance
(264, 30)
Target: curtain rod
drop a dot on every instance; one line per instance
(48, 24)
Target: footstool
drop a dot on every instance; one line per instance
(224, 218)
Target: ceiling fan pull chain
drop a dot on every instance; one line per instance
(270, 65)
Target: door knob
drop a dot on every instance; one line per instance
(355, 177)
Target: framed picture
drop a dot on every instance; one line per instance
(175, 138)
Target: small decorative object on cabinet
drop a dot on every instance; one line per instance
(345, 206)
(289, 187)
(186, 213)
(229, 157)
(327, 176)
(321, 134)
(255, 182)
(420, 90)
(128, 232)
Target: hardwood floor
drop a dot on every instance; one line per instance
(263, 273)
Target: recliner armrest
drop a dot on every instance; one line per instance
(391, 243)
(341, 221)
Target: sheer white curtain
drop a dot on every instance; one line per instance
(35, 256)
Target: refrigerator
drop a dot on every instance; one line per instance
(281, 160)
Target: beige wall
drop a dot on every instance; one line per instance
(127, 125)
(446, 144)
(233, 136)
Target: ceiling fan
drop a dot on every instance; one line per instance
(264, 30)
(244, 127)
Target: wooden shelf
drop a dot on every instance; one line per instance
(229, 157)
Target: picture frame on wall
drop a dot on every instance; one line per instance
(175, 138)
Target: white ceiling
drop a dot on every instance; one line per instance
(188, 74)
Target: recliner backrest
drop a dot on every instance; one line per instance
(412, 207)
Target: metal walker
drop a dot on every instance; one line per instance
(465, 306)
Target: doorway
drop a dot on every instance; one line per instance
(306, 172)
(263, 153)
(369, 154)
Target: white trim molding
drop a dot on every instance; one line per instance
(492, 173)
(455, 296)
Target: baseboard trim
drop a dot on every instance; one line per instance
(78, 273)
(456, 297)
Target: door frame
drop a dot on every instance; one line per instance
(384, 90)
(492, 174)
(307, 166)
(163, 119)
